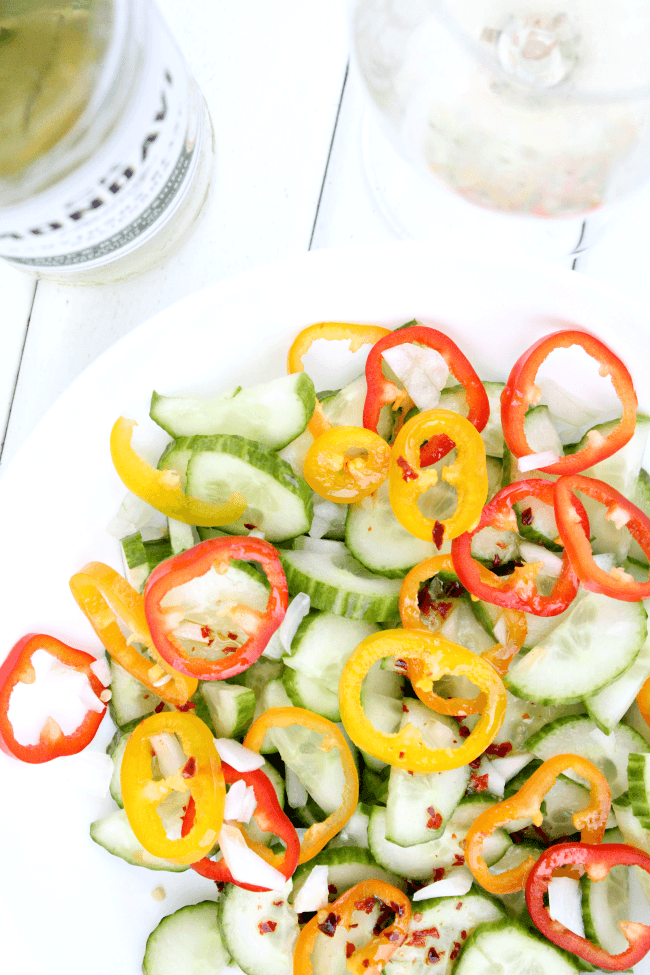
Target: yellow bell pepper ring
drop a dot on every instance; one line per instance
(406, 749)
(347, 464)
(163, 489)
(408, 481)
(201, 778)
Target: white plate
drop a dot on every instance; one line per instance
(70, 907)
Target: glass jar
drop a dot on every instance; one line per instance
(114, 146)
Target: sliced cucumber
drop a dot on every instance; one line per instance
(259, 948)
(272, 413)
(320, 772)
(634, 834)
(385, 714)
(608, 705)
(511, 948)
(523, 719)
(312, 694)
(355, 831)
(454, 398)
(565, 798)
(574, 735)
(157, 550)
(271, 695)
(279, 503)
(605, 904)
(187, 941)
(536, 523)
(114, 833)
(337, 583)
(176, 457)
(638, 772)
(515, 903)
(323, 643)
(641, 499)
(258, 676)
(134, 559)
(231, 707)
(130, 700)
(575, 659)
(420, 862)
(181, 536)
(419, 806)
(347, 866)
(116, 752)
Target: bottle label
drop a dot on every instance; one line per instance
(123, 195)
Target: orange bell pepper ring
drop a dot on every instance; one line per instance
(371, 958)
(406, 748)
(103, 596)
(320, 833)
(347, 464)
(527, 803)
(356, 335)
(163, 489)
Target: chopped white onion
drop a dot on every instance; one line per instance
(422, 371)
(256, 533)
(456, 883)
(101, 670)
(132, 516)
(282, 639)
(240, 802)
(532, 462)
(537, 553)
(240, 758)
(88, 772)
(326, 514)
(245, 865)
(296, 792)
(606, 742)
(58, 692)
(169, 753)
(511, 764)
(314, 893)
(162, 680)
(565, 904)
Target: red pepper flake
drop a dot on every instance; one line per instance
(278, 903)
(232, 636)
(432, 956)
(250, 527)
(463, 934)
(329, 925)
(158, 708)
(188, 706)
(366, 905)
(409, 772)
(464, 732)
(425, 602)
(267, 926)
(332, 890)
(459, 860)
(480, 783)
(405, 710)
(459, 905)
(542, 835)
(146, 697)
(400, 666)
(527, 516)
(417, 917)
(438, 874)
(408, 474)
(435, 819)
(475, 762)
(402, 754)
(220, 884)
(452, 589)
(438, 534)
(499, 750)
(380, 923)
(525, 717)
(366, 962)
(230, 649)
(418, 938)
(349, 949)
(454, 952)
(443, 609)
(206, 632)
(496, 561)
(189, 769)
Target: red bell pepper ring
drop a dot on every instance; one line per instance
(269, 817)
(382, 391)
(18, 668)
(195, 562)
(616, 583)
(521, 392)
(597, 860)
(516, 591)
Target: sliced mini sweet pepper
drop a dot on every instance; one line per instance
(201, 778)
(270, 818)
(382, 391)
(17, 669)
(521, 392)
(527, 803)
(320, 833)
(215, 553)
(518, 590)
(104, 596)
(163, 489)
(370, 958)
(408, 481)
(356, 335)
(406, 748)
(597, 861)
(616, 583)
(347, 464)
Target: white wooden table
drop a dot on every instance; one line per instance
(287, 115)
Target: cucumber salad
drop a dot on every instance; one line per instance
(379, 667)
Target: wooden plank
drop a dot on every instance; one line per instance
(272, 76)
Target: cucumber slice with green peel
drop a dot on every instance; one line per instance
(378, 541)
(273, 413)
(323, 643)
(609, 705)
(580, 735)
(494, 468)
(575, 660)
(258, 677)
(374, 785)
(259, 948)
(536, 523)
(490, 543)
(231, 707)
(345, 408)
(419, 806)
(542, 436)
(641, 499)
(337, 583)
(134, 560)
(312, 694)
(605, 904)
(270, 695)
(420, 862)
(130, 700)
(279, 503)
(347, 866)
(355, 831)
(638, 773)
(176, 457)
(187, 941)
(634, 834)
(114, 833)
(441, 923)
(515, 903)
(454, 398)
(157, 550)
(116, 751)
(320, 772)
(181, 536)
(510, 947)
